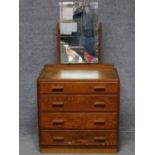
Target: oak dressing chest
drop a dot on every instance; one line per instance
(78, 108)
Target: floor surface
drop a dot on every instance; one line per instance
(29, 144)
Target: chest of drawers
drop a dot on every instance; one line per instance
(78, 108)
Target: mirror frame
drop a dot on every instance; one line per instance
(58, 55)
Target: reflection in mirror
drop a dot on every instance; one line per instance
(78, 32)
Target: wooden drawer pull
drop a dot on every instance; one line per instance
(99, 122)
(58, 122)
(99, 104)
(57, 104)
(99, 88)
(58, 139)
(57, 89)
(99, 139)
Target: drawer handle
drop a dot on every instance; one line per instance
(99, 122)
(99, 139)
(57, 89)
(99, 104)
(58, 104)
(58, 122)
(99, 88)
(58, 139)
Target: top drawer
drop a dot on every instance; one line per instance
(78, 87)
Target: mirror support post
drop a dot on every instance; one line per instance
(100, 43)
(58, 44)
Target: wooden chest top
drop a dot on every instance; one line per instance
(98, 72)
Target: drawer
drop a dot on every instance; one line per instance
(78, 103)
(78, 120)
(78, 87)
(78, 137)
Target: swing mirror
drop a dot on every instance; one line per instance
(79, 33)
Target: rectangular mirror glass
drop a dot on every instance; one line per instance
(79, 32)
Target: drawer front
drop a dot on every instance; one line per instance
(78, 87)
(77, 138)
(78, 120)
(78, 103)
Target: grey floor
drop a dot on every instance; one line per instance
(29, 143)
